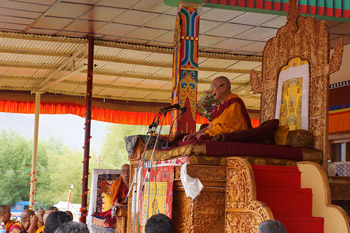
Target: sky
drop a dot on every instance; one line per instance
(67, 128)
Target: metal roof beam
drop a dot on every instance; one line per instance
(66, 62)
(29, 51)
(119, 60)
(108, 73)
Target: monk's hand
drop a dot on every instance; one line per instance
(188, 137)
(198, 135)
(33, 220)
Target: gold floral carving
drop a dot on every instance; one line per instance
(308, 39)
(182, 212)
(204, 214)
(255, 84)
(243, 212)
(204, 172)
(293, 11)
(122, 214)
(337, 55)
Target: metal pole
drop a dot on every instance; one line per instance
(35, 152)
(87, 131)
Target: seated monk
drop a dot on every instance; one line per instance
(28, 223)
(231, 114)
(5, 215)
(120, 188)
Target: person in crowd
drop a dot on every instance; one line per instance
(120, 187)
(40, 215)
(72, 227)
(42, 228)
(28, 223)
(5, 215)
(54, 220)
(53, 208)
(70, 214)
(231, 115)
(271, 226)
(159, 223)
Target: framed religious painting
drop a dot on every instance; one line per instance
(292, 101)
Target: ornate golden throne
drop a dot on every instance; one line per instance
(303, 40)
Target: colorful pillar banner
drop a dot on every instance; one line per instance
(185, 67)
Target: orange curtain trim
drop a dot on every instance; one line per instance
(338, 122)
(99, 114)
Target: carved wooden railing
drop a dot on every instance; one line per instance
(122, 216)
(243, 212)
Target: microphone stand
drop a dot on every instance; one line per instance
(148, 165)
(151, 129)
(183, 110)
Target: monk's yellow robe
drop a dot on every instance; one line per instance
(9, 224)
(41, 229)
(119, 191)
(232, 118)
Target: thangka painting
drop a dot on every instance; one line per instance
(104, 183)
(155, 196)
(292, 106)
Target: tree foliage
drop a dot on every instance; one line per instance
(58, 167)
(16, 154)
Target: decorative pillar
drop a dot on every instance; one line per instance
(86, 173)
(185, 67)
(35, 152)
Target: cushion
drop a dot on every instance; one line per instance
(106, 201)
(300, 138)
(262, 134)
(281, 134)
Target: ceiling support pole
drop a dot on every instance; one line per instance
(87, 131)
(35, 152)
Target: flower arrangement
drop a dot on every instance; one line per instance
(207, 105)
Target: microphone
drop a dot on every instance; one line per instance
(175, 106)
(183, 110)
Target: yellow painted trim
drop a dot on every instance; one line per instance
(296, 61)
(339, 110)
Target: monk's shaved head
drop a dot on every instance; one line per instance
(5, 213)
(27, 213)
(225, 81)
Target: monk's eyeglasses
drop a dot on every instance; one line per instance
(212, 86)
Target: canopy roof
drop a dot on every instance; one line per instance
(43, 47)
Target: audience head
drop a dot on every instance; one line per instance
(5, 213)
(54, 220)
(40, 214)
(159, 223)
(72, 227)
(69, 213)
(125, 173)
(271, 226)
(46, 215)
(26, 215)
(53, 208)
